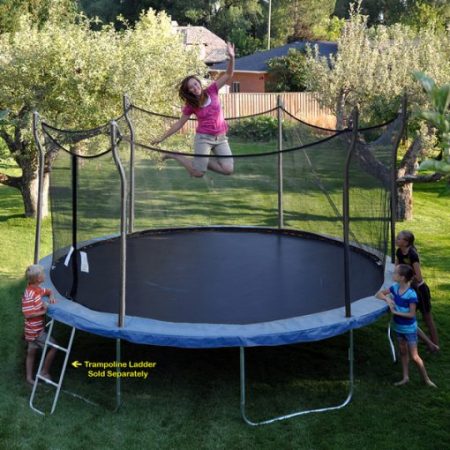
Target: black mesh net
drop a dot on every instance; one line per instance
(84, 190)
(300, 187)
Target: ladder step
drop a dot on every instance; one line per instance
(63, 349)
(47, 380)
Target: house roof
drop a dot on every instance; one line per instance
(214, 49)
(257, 62)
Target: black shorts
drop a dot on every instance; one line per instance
(424, 298)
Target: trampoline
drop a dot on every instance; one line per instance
(296, 252)
(219, 287)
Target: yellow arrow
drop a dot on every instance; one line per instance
(76, 364)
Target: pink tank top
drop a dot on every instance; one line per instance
(210, 118)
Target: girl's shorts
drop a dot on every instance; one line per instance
(204, 144)
(410, 338)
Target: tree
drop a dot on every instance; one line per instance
(438, 115)
(75, 77)
(242, 23)
(372, 70)
(295, 20)
(288, 73)
(415, 13)
(11, 11)
(426, 14)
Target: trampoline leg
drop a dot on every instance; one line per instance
(391, 343)
(296, 413)
(118, 379)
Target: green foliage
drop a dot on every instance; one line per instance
(328, 29)
(288, 73)
(244, 25)
(386, 11)
(258, 129)
(190, 382)
(39, 11)
(428, 14)
(373, 67)
(415, 13)
(244, 22)
(75, 77)
(439, 117)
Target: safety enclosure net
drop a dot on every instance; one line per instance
(287, 175)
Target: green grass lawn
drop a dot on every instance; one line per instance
(191, 399)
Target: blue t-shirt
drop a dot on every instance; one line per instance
(403, 304)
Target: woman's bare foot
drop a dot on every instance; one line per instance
(430, 383)
(30, 380)
(402, 382)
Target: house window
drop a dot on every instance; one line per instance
(236, 86)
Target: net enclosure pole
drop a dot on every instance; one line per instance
(346, 212)
(123, 221)
(74, 164)
(41, 161)
(280, 162)
(123, 252)
(131, 213)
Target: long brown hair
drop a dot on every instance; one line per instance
(188, 96)
(405, 271)
(408, 236)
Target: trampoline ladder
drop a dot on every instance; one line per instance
(47, 381)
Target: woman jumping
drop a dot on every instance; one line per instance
(211, 130)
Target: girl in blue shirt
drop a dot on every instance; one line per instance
(402, 301)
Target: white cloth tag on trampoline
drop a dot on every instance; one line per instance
(66, 261)
(84, 262)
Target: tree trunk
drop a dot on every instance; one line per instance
(405, 190)
(340, 105)
(29, 189)
(405, 202)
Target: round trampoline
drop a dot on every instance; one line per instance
(290, 248)
(217, 287)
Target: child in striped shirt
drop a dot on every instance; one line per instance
(402, 301)
(34, 310)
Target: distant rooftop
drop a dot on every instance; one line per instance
(257, 62)
(212, 48)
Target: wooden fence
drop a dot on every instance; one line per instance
(303, 105)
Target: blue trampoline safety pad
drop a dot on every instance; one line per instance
(306, 328)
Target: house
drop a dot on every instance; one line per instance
(212, 49)
(251, 72)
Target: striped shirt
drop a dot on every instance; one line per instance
(403, 304)
(32, 304)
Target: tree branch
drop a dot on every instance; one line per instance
(8, 140)
(408, 163)
(10, 181)
(420, 178)
(372, 165)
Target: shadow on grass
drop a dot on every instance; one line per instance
(11, 203)
(278, 377)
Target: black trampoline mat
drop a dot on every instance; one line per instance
(216, 276)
